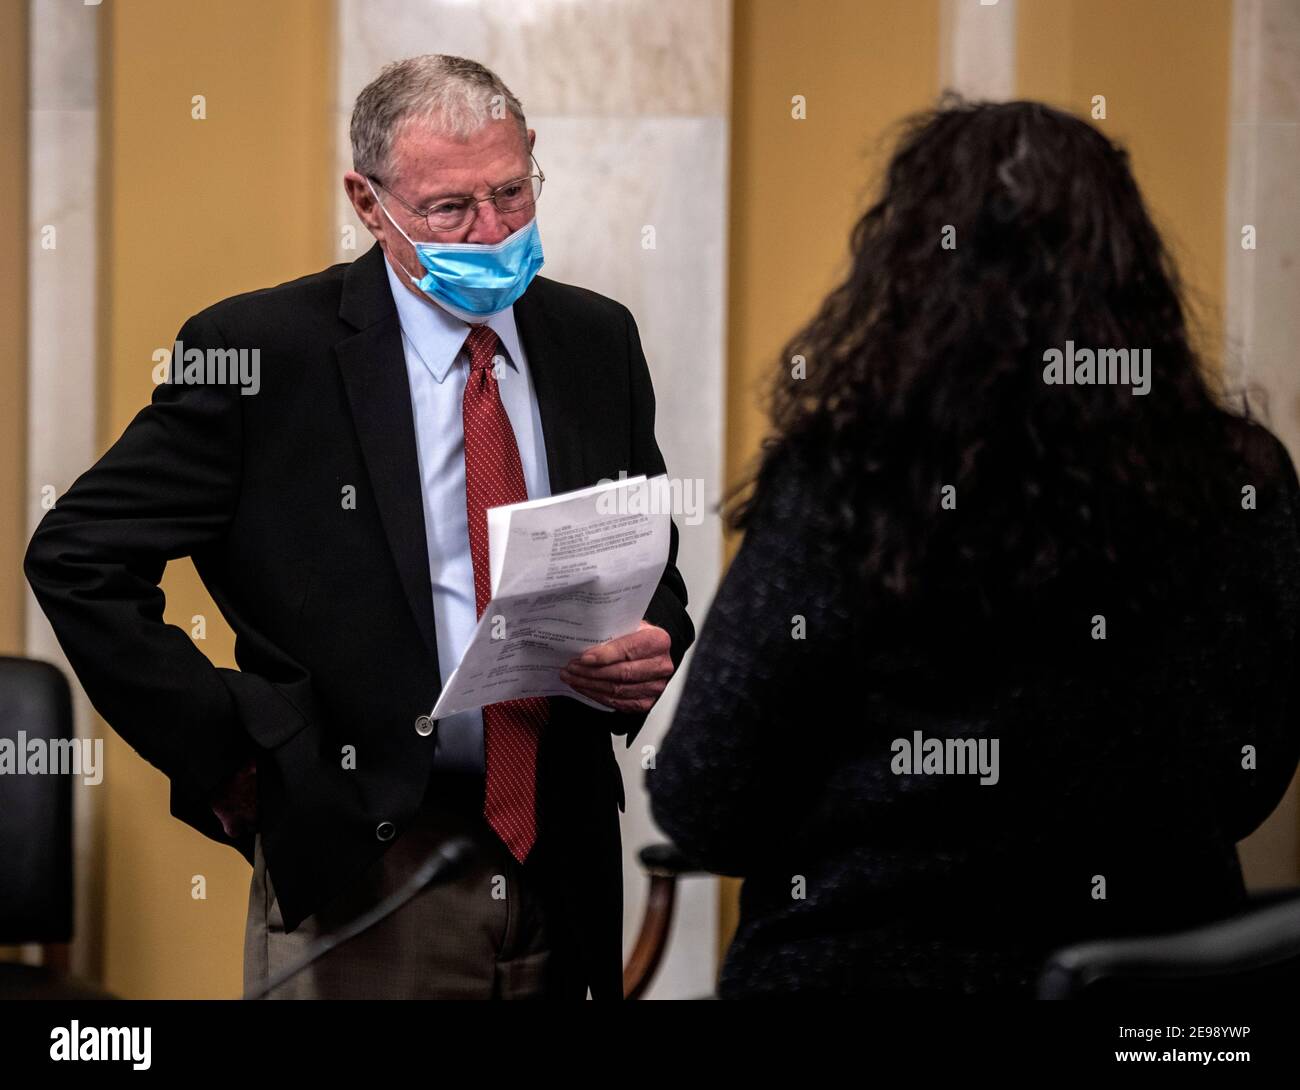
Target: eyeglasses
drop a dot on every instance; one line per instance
(452, 212)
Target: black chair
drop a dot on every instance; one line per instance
(1255, 955)
(36, 873)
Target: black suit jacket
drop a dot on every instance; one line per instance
(331, 603)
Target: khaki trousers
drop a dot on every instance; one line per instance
(480, 935)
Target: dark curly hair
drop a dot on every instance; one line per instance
(925, 368)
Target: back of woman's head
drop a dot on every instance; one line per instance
(955, 460)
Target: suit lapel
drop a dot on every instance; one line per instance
(373, 367)
(374, 375)
(554, 370)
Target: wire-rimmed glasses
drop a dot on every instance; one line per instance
(450, 213)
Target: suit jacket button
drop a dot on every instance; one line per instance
(385, 830)
(424, 726)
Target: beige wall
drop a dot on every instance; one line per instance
(798, 186)
(195, 211)
(1163, 66)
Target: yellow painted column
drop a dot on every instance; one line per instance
(217, 178)
(798, 186)
(1164, 69)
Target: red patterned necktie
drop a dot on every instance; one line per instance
(494, 475)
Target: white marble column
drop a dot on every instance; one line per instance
(977, 48)
(1263, 287)
(630, 100)
(63, 304)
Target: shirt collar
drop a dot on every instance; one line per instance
(438, 335)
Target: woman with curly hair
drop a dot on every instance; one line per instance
(1007, 657)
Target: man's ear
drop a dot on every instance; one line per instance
(359, 193)
(532, 139)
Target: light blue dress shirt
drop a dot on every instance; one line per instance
(437, 367)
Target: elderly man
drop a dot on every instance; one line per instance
(338, 519)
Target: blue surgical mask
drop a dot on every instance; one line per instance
(473, 280)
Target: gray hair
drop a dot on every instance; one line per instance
(455, 96)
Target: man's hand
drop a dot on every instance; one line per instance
(235, 803)
(628, 673)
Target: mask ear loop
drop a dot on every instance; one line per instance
(416, 280)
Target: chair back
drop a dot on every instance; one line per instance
(1255, 955)
(35, 806)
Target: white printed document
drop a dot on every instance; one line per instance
(567, 572)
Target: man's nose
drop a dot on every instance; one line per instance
(488, 226)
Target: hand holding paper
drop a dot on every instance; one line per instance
(569, 572)
(629, 673)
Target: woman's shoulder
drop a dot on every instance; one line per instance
(1267, 492)
(1262, 452)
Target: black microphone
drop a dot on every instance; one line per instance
(444, 860)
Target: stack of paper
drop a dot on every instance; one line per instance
(567, 572)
